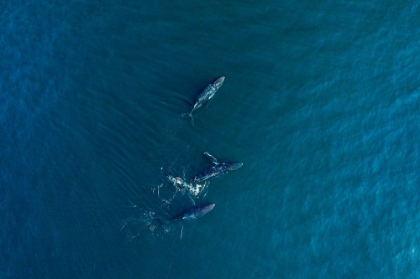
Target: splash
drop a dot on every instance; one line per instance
(192, 188)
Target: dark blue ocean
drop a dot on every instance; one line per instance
(321, 103)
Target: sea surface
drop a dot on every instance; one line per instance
(321, 103)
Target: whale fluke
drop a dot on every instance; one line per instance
(188, 115)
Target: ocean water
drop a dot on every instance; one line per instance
(321, 103)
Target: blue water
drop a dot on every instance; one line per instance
(321, 104)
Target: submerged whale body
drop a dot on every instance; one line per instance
(205, 96)
(195, 212)
(217, 169)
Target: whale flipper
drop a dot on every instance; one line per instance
(211, 158)
(192, 200)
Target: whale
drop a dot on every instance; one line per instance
(204, 97)
(195, 212)
(216, 169)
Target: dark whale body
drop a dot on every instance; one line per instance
(217, 169)
(205, 96)
(195, 212)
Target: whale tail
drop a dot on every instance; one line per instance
(188, 115)
(165, 224)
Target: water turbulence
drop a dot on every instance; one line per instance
(168, 196)
(192, 188)
(152, 207)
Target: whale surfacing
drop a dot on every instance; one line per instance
(195, 212)
(217, 169)
(205, 96)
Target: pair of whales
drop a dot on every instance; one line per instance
(197, 211)
(216, 170)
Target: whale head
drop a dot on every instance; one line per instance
(235, 166)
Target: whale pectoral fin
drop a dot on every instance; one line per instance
(211, 158)
(192, 200)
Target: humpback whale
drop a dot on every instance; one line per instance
(218, 168)
(195, 212)
(205, 96)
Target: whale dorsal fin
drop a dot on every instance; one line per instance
(211, 158)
